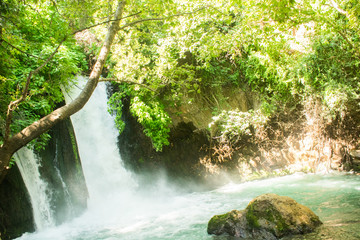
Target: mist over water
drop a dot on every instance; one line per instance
(120, 209)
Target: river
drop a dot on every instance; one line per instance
(163, 213)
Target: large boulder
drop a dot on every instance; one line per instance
(268, 216)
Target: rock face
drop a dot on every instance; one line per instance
(268, 216)
(180, 159)
(15, 208)
(61, 169)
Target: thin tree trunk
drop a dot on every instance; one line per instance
(33, 131)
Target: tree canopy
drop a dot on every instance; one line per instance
(283, 50)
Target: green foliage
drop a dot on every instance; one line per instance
(242, 44)
(115, 106)
(219, 46)
(148, 111)
(30, 32)
(331, 73)
(214, 44)
(154, 119)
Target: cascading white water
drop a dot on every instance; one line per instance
(28, 164)
(96, 136)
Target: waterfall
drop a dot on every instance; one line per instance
(28, 164)
(107, 180)
(96, 136)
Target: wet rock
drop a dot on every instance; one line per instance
(62, 171)
(268, 216)
(232, 223)
(16, 216)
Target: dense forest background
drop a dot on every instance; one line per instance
(269, 81)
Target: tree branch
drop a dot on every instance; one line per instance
(339, 9)
(346, 39)
(30, 55)
(217, 10)
(126, 81)
(342, 35)
(56, 8)
(101, 23)
(77, 31)
(14, 104)
(161, 19)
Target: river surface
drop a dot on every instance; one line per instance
(163, 213)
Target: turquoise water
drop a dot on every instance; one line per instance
(164, 213)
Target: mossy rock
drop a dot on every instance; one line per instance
(231, 223)
(280, 215)
(268, 216)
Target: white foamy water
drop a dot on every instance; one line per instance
(28, 164)
(96, 137)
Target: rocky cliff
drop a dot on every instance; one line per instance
(61, 169)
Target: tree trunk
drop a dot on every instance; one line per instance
(37, 128)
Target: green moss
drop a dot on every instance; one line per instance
(281, 225)
(218, 219)
(216, 222)
(251, 216)
(270, 214)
